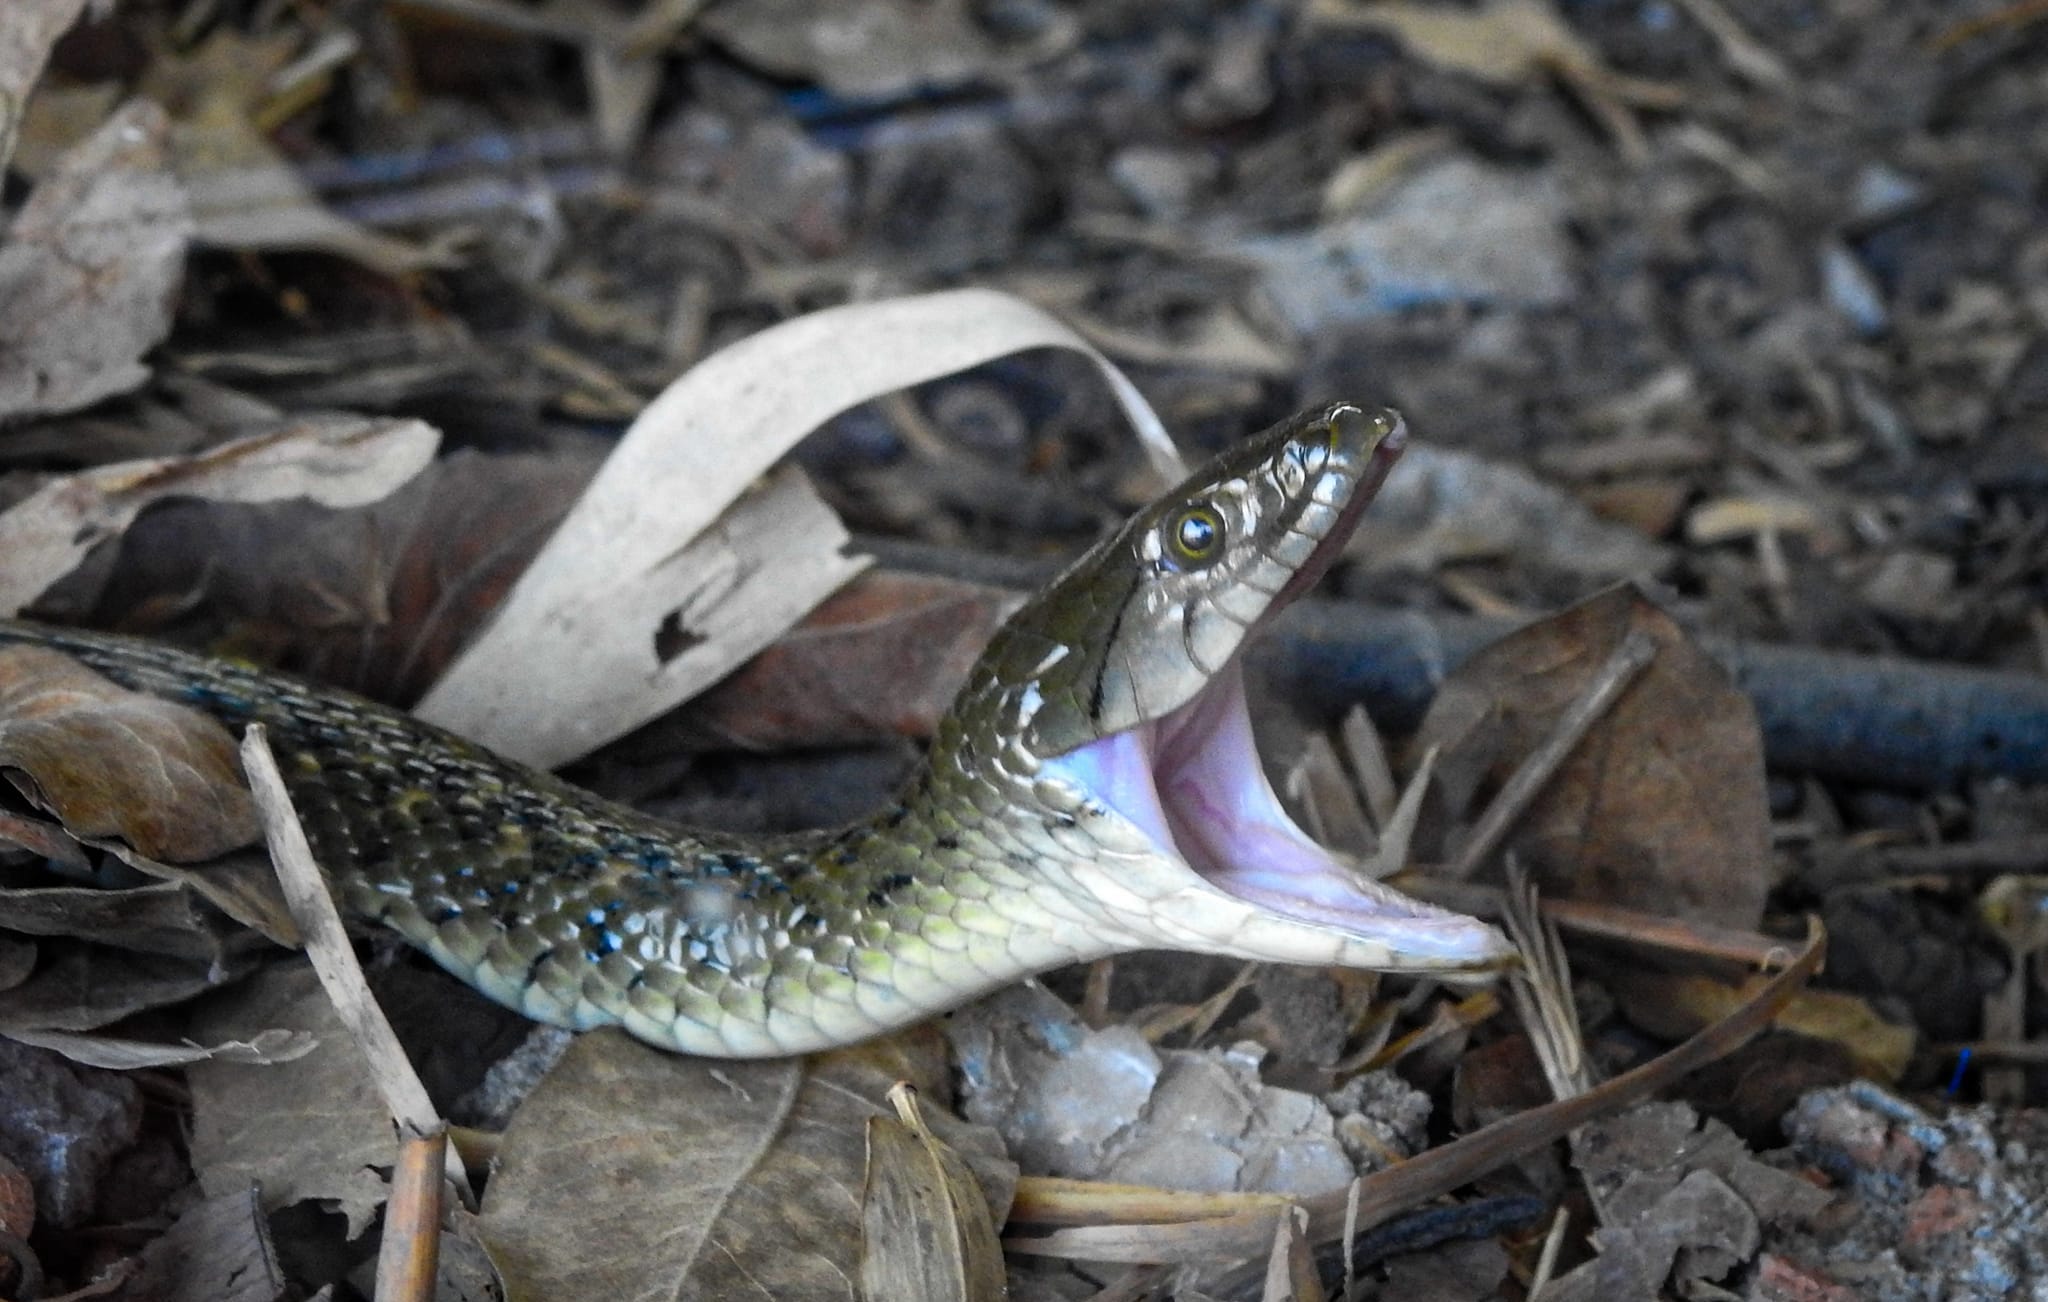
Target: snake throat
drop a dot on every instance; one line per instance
(1194, 783)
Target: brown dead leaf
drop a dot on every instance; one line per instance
(1660, 808)
(634, 1173)
(241, 884)
(43, 838)
(310, 1128)
(881, 657)
(160, 918)
(111, 762)
(1675, 1006)
(90, 269)
(335, 460)
(376, 598)
(85, 987)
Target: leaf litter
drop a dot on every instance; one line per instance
(377, 242)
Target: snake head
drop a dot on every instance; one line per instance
(1119, 692)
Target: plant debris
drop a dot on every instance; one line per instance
(682, 393)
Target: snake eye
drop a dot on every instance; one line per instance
(1194, 534)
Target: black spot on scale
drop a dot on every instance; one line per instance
(533, 968)
(946, 842)
(887, 887)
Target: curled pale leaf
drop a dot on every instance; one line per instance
(671, 571)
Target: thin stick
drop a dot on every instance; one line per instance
(409, 1258)
(1553, 1248)
(1629, 659)
(333, 957)
(1609, 922)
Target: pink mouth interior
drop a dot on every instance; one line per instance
(1193, 782)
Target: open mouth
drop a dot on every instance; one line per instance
(1192, 781)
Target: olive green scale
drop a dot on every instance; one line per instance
(1014, 849)
(582, 912)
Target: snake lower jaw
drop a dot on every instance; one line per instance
(1220, 867)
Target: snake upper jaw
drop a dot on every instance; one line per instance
(1229, 870)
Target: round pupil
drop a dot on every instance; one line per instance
(1197, 533)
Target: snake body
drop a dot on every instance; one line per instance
(1093, 790)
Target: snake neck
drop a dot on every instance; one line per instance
(583, 913)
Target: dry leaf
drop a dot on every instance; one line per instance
(28, 32)
(376, 599)
(1676, 1006)
(334, 460)
(118, 1053)
(1441, 505)
(240, 884)
(247, 197)
(91, 268)
(218, 1251)
(645, 596)
(84, 987)
(17, 961)
(925, 1226)
(111, 762)
(1661, 807)
(310, 1128)
(244, 194)
(875, 47)
(881, 657)
(631, 1173)
(1504, 43)
(160, 918)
